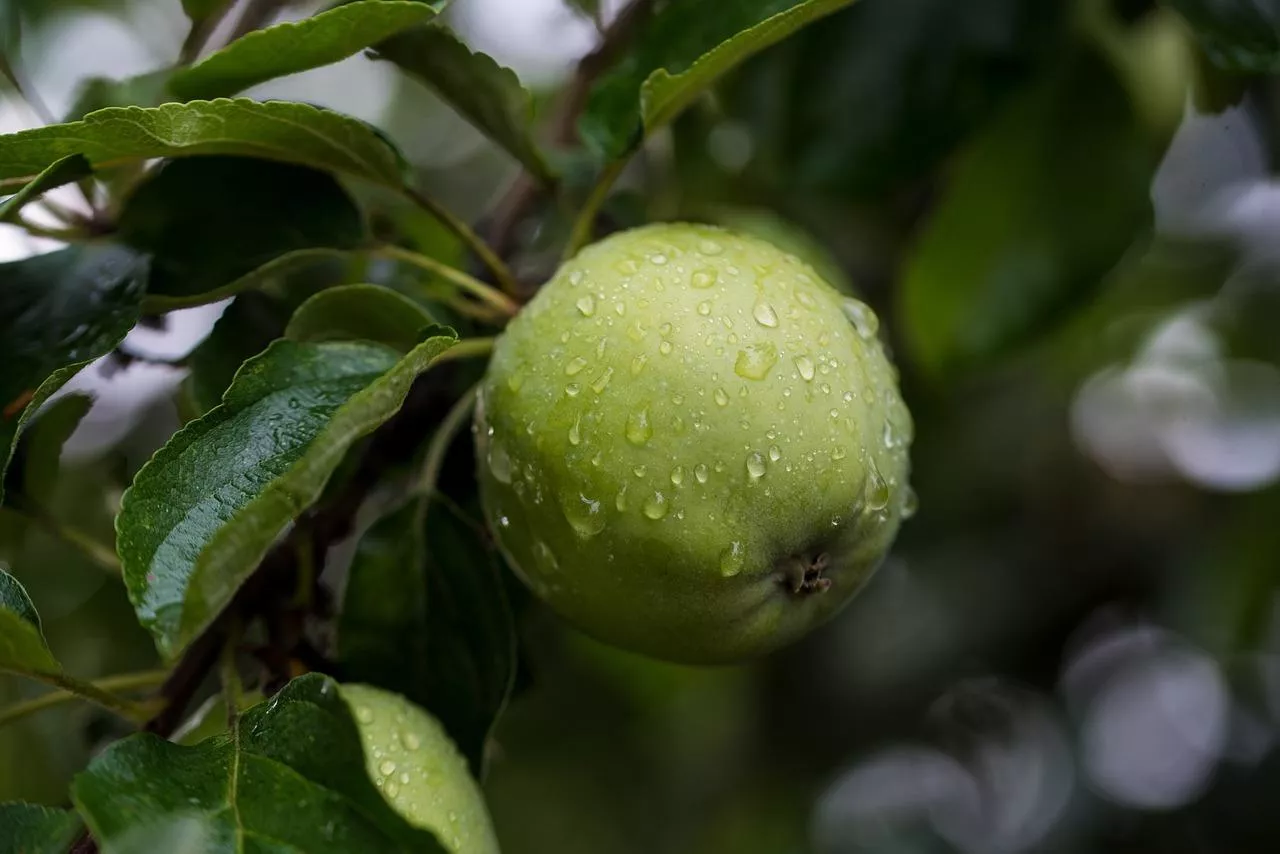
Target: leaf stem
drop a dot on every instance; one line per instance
(99, 553)
(501, 272)
(123, 682)
(467, 348)
(485, 293)
(228, 675)
(453, 422)
(584, 225)
(93, 692)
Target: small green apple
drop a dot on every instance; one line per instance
(419, 770)
(691, 446)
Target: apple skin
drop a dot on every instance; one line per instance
(419, 770)
(692, 447)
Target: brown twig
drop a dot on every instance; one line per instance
(201, 31)
(524, 192)
(256, 13)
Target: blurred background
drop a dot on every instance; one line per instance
(1065, 214)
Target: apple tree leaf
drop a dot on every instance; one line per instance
(207, 507)
(360, 313)
(289, 48)
(289, 775)
(65, 171)
(22, 645)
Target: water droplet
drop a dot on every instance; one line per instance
(365, 714)
(805, 366)
(412, 741)
(804, 299)
(910, 503)
(775, 453)
(572, 389)
(710, 247)
(835, 413)
(575, 432)
(392, 788)
(677, 475)
(838, 452)
(545, 556)
(861, 316)
(732, 559)
(627, 266)
(620, 308)
(586, 304)
(387, 767)
(665, 348)
(704, 308)
(638, 363)
(516, 381)
(575, 278)
(639, 471)
(700, 472)
(600, 347)
(703, 278)
(765, 315)
(877, 489)
(826, 388)
(504, 522)
(499, 462)
(655, 506)
(574, 366)
(755, 361)
(404, 778)
(620, 500)
(756, 466)
(888, 436)
(602, 381)
(721, 397)
(658, 259)
(639, 430)
(584, 515)
(848, 397)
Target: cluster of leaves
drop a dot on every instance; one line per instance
(322, 407)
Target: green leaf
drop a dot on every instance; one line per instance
(289, 48)
(487, 94)
(276, 130)
(198, 10)
(244, 330)
(425, 614)
(203, 512)
(1239, 35)
(32, 829)
(37, 459)
(679, 53)
(65, 171)
(1021, 237)
(208, 222)
(22, 645)
(60, 311)
(360, 312)
(289, 776)
(99, 93)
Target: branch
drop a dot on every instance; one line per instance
(122, 682)
(524, 192)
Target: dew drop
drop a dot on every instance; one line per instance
(721, 397)
(756, 466)
(620, 500)
(755, 361)
(826, 388)
(665, 348)
(574, 366)
(387, 767)
(638, 363)
(499, 462)
(412, 741)
(542, 552)
(910, 503)
(627, 267)
(732, 559)
(710, 247)
(704, 308)
(848, 397)
(765, 315)
(700, 472)
(602, 381)
(775, 453)
(677, 475)
(838, 452)
(365, 714)
(575, 432)
(639, 471)
(575, 278)
(392, 788)
(805, 366)
(572, 389)
(639, 429)
(804, 299)
(877, 489)
(861, 316)
(655, 506)
(658, 259)
(516, 381)
(586, 305)
(584, 515)
(620, 308)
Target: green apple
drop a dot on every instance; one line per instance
(419, 770)
(691, 446)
